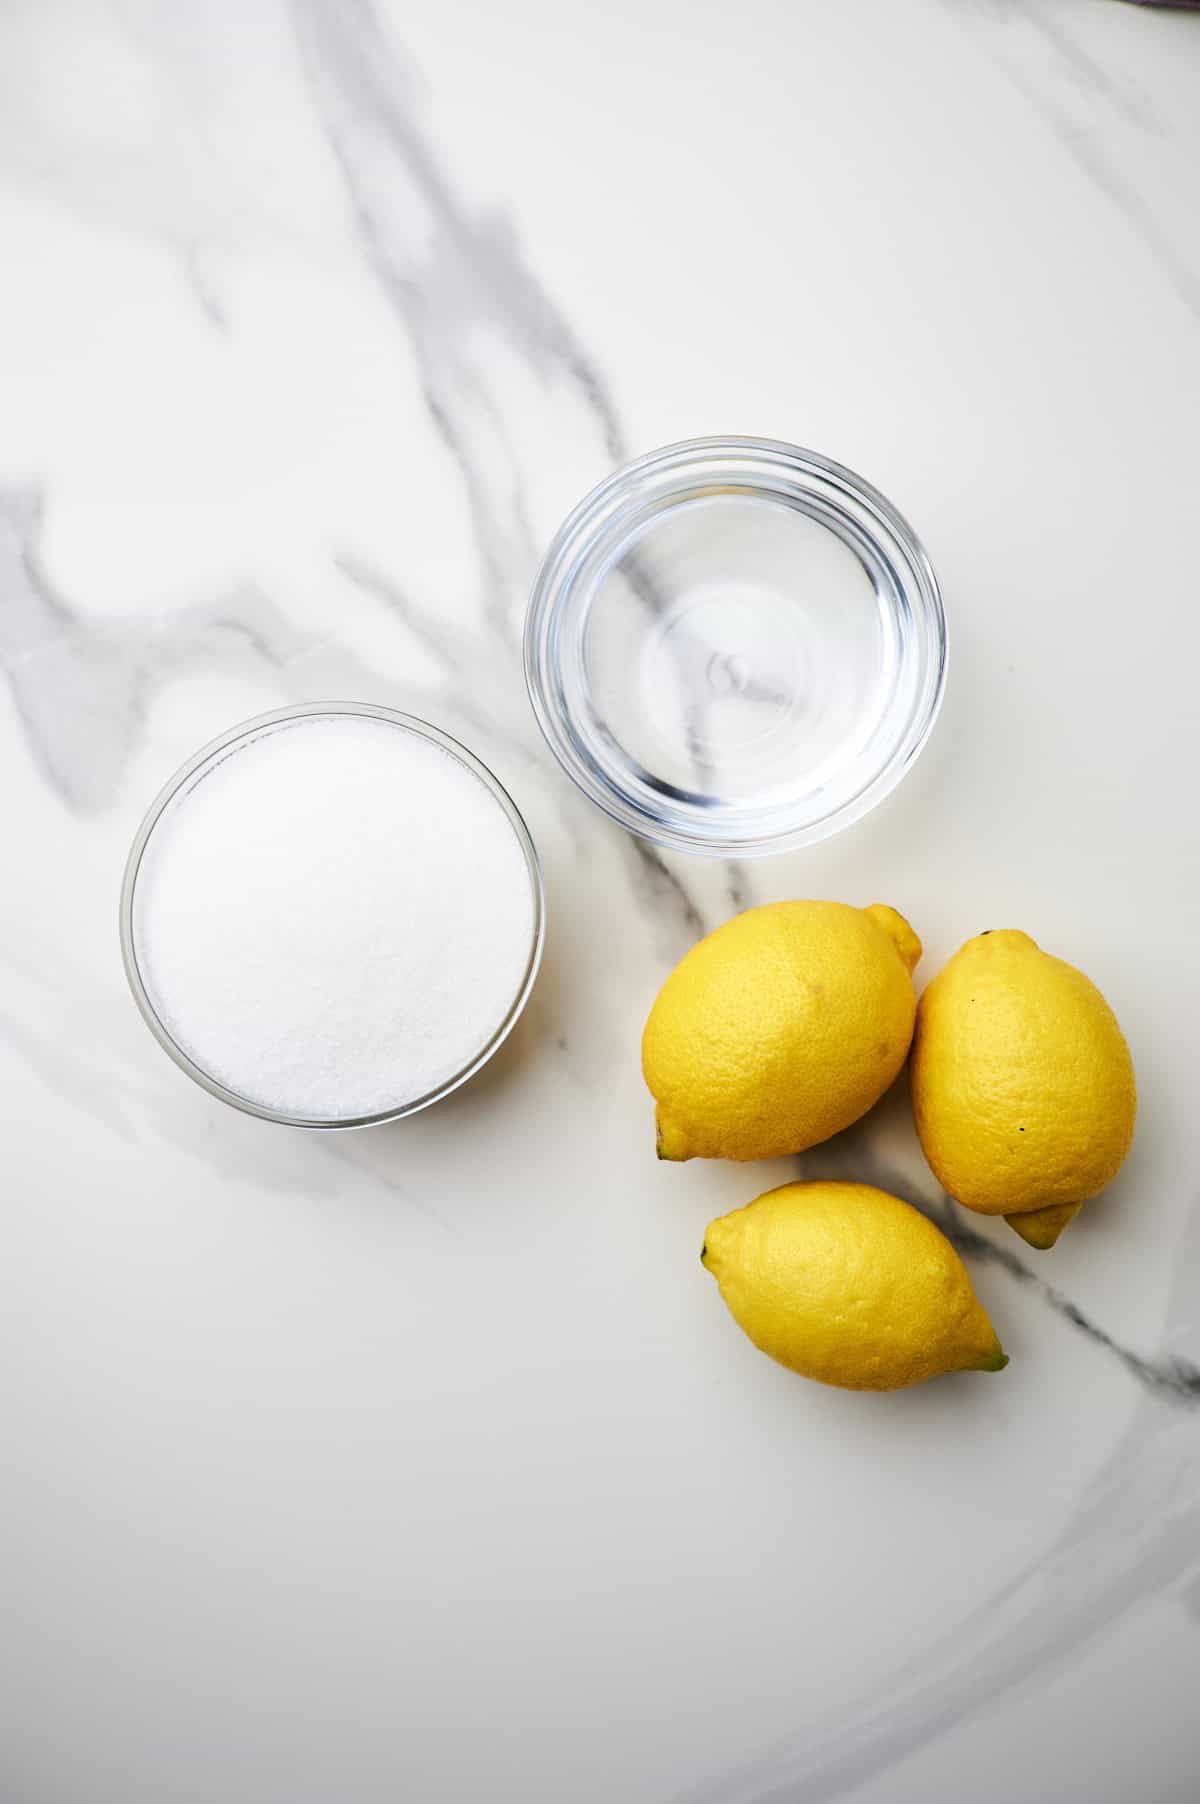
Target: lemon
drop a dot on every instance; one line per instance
(780, 1029)
(850, 1286)
(1022, 1084)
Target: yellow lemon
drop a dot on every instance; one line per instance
(780, 1029)
(1022, 1084)
(850, 1286)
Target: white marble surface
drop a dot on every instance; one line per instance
(424, 1463)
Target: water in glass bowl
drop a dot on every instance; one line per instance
(735, 646)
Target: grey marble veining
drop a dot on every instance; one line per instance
(1082, 97)
(1174, 1379)
(79, 688)
(423, 1463)
(452, 273)
(1133, 1535)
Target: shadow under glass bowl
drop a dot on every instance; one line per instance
(735, 646)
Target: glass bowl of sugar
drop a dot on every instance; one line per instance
(332, 916)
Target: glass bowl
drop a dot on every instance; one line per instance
(735, 646)
(193, 773)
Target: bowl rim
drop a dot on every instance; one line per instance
(593, 513)
(256, 726)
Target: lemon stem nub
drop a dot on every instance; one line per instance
(906, 942)
(1040, 1228)
(669, 1142)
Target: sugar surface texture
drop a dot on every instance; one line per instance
(335, 919)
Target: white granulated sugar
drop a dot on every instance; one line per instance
(335, 919)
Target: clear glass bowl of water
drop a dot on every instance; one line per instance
(735, 646)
